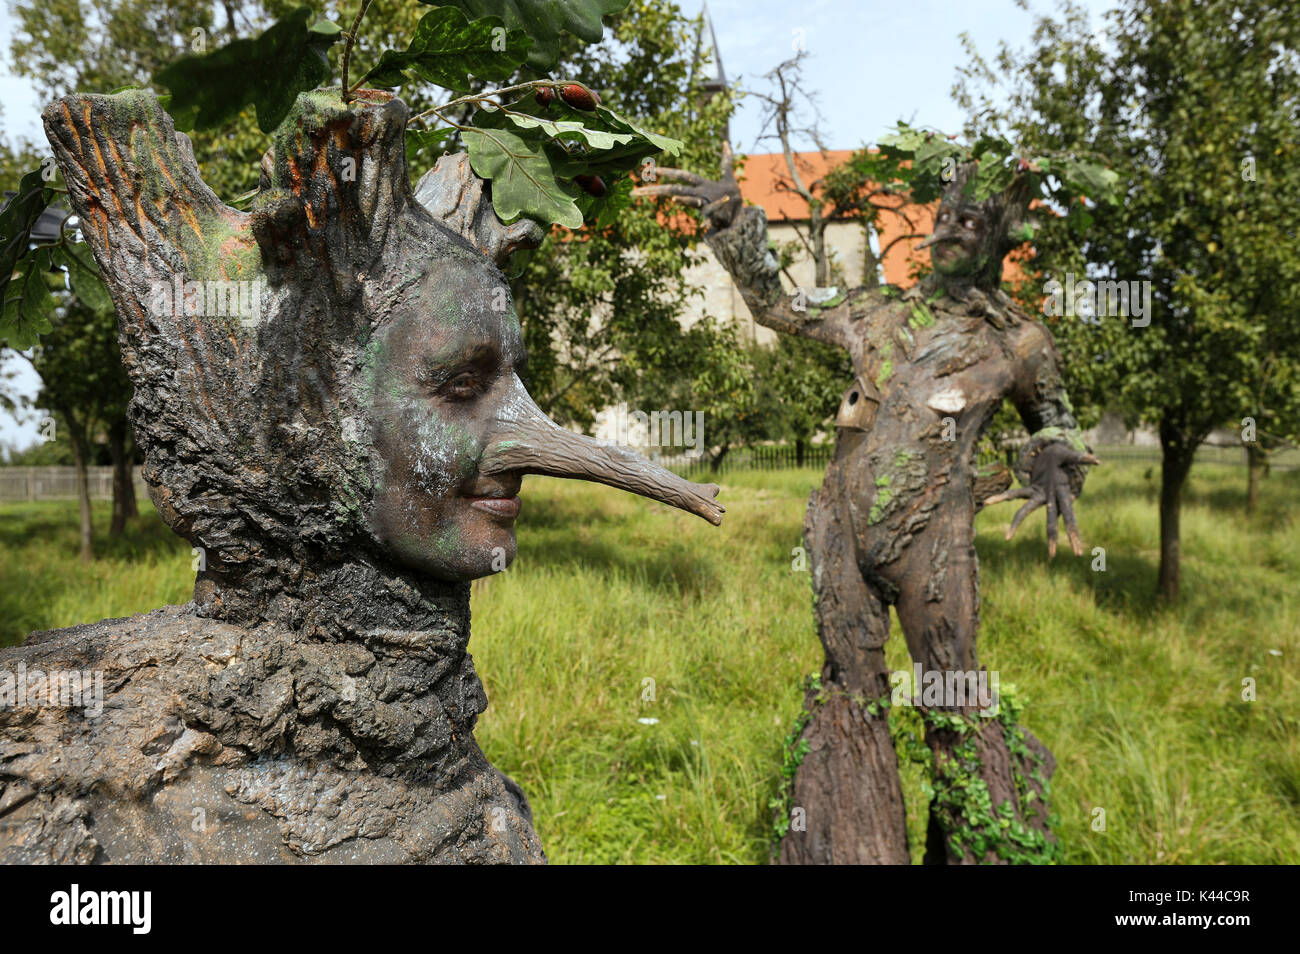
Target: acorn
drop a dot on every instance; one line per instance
(592, 185)
(545, 95)
(579, 97)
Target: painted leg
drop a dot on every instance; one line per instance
(847, 796)
(938, 607)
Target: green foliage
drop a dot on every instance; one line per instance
(267, 72)
(602, 309)
(446, 49)
(599, 318)
(84, 278)
(794, 748)
(799, 382)
(28, 303)
(522, 177)
(545, 21)
(26, 299)
(960, 797)
(531, 160)
(1195, 106)
(933, 156)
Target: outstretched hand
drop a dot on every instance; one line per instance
(720, 201)
(1049, 485)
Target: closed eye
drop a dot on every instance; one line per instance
(463, 387)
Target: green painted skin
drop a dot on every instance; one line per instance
(883, 496)
(1069, 436)
(887, 365)
(922, 317)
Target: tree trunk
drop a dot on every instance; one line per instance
(1256, 468)
(821, 255)
(715, 460)
(1177, 450)
(124, 504)
(870, 260)
(81, 460)
(800, 452)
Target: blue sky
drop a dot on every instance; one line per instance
(870, 63)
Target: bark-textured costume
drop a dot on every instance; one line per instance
(342, 445)
(893, 523)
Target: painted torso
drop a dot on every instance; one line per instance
(931, 371)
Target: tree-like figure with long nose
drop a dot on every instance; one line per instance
(893, 524)
(327, 399)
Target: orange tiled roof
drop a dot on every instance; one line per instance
(763, 174)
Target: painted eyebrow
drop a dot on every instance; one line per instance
(457, 351)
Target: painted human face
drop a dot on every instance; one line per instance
(959, 245)
(453, 430)
(443, 368)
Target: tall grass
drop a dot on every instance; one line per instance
(643, 667)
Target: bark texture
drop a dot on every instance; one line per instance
(221, 744)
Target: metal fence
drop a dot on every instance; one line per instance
(1288, 459)
(819, 455)
(775, 457)
(59, 483)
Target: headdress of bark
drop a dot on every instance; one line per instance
(1004, 215)
(253, 422)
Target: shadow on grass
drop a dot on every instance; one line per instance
(1127, 585)
(675, 569)
(144, 537)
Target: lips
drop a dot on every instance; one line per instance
(505, 507)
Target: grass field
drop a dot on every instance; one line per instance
(620, 611)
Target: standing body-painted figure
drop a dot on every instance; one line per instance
(893, 523)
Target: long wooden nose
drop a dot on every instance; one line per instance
(528, 441)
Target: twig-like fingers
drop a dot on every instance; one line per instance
(1066, 506)
(1052, 518)
(684, 175)
(694, 201)
(1014, 494)
(1035, 502)
(672, 191)
(716, 204)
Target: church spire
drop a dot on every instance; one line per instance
(717, 82)
(706, 48)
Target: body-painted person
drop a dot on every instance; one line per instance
(893, 523)
(344, 456)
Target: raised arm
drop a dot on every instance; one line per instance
(737, 234)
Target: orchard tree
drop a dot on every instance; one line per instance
(866, 188)
(81, 373)
(1195, 105)
(803, 379)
